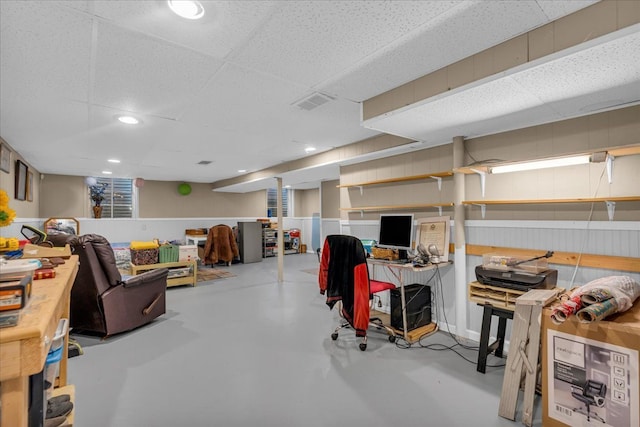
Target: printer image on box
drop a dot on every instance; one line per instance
(516, 272)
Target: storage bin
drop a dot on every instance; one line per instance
(168, 253)
(179, 272)
(51, 369)
(16, 269)
(188, 253)
(144, 256)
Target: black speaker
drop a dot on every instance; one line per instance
(418, 301)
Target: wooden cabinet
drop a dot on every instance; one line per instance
(187, 270)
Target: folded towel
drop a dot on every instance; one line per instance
(143, 245)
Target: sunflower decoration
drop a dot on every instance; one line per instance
(7, 215)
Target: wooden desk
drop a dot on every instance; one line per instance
(398, 271)
(24, 347)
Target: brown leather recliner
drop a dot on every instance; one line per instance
(103, 303)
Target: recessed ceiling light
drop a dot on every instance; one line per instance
(107, 172)
(189, 9)
(242, 170)
(113, 161)
(130, 120)
(310, 149)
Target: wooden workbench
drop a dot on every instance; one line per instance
(24, 347)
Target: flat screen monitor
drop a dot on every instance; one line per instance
(396, 232)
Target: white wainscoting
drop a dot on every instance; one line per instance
(145, 229)
(602, 237)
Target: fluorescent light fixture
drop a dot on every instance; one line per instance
(113, 161)
(129, 120)
(287, 186)
(242, 170)
(107, 172)
(310, 149)
(189, 9)
(542, 164)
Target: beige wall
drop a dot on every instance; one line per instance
(160, 199)
(67, 196)
(307, 202)
(583, 134)
(330, 199)
(23, 208)
(598, 131)
(64, 196)
(424, 191)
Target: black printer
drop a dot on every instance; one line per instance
(517, 279)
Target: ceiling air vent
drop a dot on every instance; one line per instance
(313, 101)
(205, 162)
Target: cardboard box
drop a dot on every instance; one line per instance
(188, 253)
(604, 352)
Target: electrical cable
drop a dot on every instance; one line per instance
(586, 237)
(404, 344)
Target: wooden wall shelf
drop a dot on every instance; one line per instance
(606, 262)
(610, 202)
(397, 207)
(437, 175)
(546, 201)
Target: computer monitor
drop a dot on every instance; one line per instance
(396, 232)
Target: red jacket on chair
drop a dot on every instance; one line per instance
(344, 277)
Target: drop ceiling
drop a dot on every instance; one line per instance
(227, 88)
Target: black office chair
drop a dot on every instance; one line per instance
(591, 394)
(344, 277)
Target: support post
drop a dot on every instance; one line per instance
(280, 233)
(460, 254)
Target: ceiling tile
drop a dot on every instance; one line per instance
(44, 50)
(225, 26)
(308, 42)
(146, 75)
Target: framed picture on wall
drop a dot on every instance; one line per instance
(5, 158)
(30, 188)
(22, 171)
(433, 235)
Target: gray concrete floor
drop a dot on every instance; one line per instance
(248, 351)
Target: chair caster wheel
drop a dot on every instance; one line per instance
(363, 346)
(334, 336)
(392, 338)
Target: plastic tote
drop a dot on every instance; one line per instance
(52, 364)
(51, 369)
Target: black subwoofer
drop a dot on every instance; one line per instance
(418, 300)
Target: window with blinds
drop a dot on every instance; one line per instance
(118, 198)
(272, 202)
